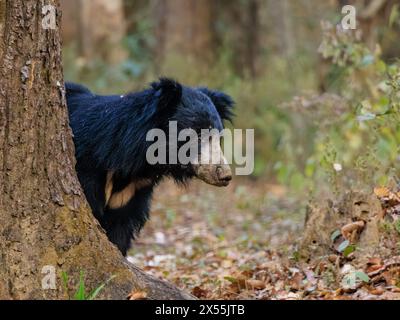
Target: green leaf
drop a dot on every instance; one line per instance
(348, 250)
(397, 225)
(335, 234)
(362, 276)
(80, 293)
(296, 256)
(230, 279)
(343, 245)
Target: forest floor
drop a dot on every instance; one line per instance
(241, 242)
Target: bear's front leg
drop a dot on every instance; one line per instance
(122, 223)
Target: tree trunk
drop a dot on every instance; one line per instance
(133, 13)
(44, 217)
(244, 21)
(185, 27)
(98, 26)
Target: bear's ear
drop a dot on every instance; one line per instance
(222, 102)
(169, 93)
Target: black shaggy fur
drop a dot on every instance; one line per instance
(110, 140)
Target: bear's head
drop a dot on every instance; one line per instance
(203, 112)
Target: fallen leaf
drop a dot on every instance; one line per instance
(227, 264)
(375, 260)
(199, 292)
(137, 295)
(371, 270)
(333, 258)
(297, 281)
(255, 284)
(349, 229)
(382, 192)
(377, 291)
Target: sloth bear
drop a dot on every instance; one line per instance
(110, 145)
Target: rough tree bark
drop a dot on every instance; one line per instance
(44, 218)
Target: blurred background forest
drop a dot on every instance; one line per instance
(324, 103)
(276, 58)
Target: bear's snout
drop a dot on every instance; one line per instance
(224, 173)
(217, 175)
(213, 168)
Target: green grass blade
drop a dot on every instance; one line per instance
(80, 293)
(96, 291)
(64, 278)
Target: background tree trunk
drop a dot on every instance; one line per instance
(98, 25)
(184, 27)
(44, 218)
(243, 16)
(133, 13)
